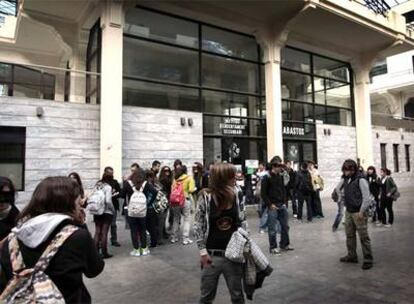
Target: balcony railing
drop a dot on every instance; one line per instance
(393, 122)
(379, 7)
(45, 82)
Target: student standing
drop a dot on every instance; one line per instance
(219, 213)
(290, 188)
(318, 185)
(304, 189)
(388, 188)
(53, 213)
(357, 201)
(374, 187)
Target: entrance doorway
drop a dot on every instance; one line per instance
(299, 152)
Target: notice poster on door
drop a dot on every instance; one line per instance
(251, 165)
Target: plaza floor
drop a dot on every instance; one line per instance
(309, 274)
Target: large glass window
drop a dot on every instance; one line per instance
(93, 64)
(296, 60)
(330, 68)
(296, 86)
(395, 148)
(160, 62)
(407, 158)
(12, 154)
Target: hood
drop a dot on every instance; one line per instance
(38, 229)
(182, 177)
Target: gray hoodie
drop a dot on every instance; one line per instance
(37, 230)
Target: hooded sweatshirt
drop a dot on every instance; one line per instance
(77, 255)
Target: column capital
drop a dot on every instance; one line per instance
(272, 42)
(112, 14)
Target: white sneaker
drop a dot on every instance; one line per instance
(388, 226)
(145, 252)
(262, 231)
(187, 242)
(135, 253)
(295, 216)
(275, 251)
(379, 224)
(173, 240)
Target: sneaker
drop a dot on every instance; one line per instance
(388, 226)
(366, 265)
(187, 242)
(287, 248)
(145, 251)
(106, 255)
(116, 244)
(348, 259)
(295, 215)
(379, 224)
(275, 251)
(261, 231)
(173, 240)
(135, 253)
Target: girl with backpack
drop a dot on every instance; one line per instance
(75, 176)
(219, 214)
(103, 221)
(140, 195)
(8, 211)
(183, 186)
(374, 187)
(388, 189)
(49, 227)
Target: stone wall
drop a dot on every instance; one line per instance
(332, 150)
(65, 139)
(155, 134)
(380, 135)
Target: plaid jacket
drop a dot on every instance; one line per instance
(202, 217)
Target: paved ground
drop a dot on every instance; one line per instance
(310, 274)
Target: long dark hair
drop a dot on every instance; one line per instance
(11, 194)
(199, 168)
(79, 181)
(350, 165)
(374, 171)
(138, 178)
(56, 194)
(221, 185)
(178, 172)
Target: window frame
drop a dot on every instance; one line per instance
(383, 155)
(407, 158)
(395, 152)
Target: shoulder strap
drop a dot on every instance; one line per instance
(143, 186)
(54, 247)
(16, 258)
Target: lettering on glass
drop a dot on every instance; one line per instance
(232, 126)
(293, 131)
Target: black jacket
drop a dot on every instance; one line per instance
(292, 179)
(76, 257)
(303, 182)
(9, 222)
(273, 190)
(374, 184)
(115, 189)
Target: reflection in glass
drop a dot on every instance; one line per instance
(296, 86)
(333, 93)
(144, 94)
(229, 43)
(161, 62)
(224, 73)
(147, 24)
(295, 60)
(297, 111)
(330, 68)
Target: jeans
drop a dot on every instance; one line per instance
(186, 213)
(354, 224)
(386, 204)
(233, 274)
(281, 214)
(301, 199)
(152, 226)
(114, 234)
(377, 213)
(339, 215)
(138, 230)
(263, 220)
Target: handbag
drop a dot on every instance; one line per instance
(236, 246)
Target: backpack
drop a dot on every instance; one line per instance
(320, 182)
(177, 196)
(137, 206)
(396, 194)
(33, 285)
(97, 200)
(160, 202)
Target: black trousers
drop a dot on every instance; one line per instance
(152, 226)
(386, 204)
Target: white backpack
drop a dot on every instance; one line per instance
(137, 206)
(97, 200)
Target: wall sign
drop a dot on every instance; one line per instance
(293, 131)
(233, 126)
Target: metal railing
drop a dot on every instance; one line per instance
(8, 7)
(379, 7)
(46, 82)
(393, 122)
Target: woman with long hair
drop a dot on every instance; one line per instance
(388, 188)
(138, 225)
(8, 210)
(166, 179)
(75, 176)
(103, 222)
(374, 187)
(53, 212)
(220, 213)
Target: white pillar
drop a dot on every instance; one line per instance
(363, 116)
(273, 100)
(111, 87)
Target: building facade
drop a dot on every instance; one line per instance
(89, 84)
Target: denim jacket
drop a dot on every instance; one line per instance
(202, 218)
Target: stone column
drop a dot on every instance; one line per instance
(273, 99)
(111, 87)
(363, 115)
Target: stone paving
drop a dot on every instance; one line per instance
(309, 274)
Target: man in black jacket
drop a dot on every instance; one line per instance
(303, 185)
(290, 188)
(274, 195)
(116, 190)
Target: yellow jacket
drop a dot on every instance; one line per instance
(188, 184)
